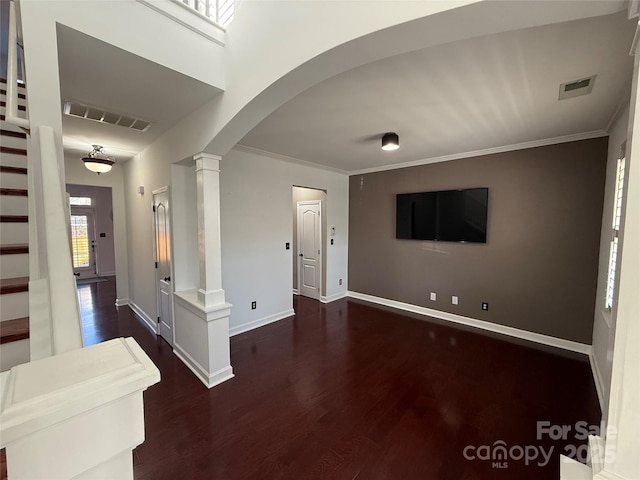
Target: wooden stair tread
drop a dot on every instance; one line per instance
(7, 169)
(11, 133)
(13, 150)
(14, 330)
(14, 192)
(14, 285)
(14, 249)
(14, 219)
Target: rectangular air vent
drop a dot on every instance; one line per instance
(575, 88)
(97, 114)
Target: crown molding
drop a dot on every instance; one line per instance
(285, 158)
(487, 151)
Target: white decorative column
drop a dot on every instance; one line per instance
(202, 314)
(209, 244)
(78, 414)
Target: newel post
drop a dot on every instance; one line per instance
(76, 415)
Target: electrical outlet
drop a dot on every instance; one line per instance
(485, 306)
(340, 282)
(454, 300)
(432, 297)
(254, 305)
(287, 246)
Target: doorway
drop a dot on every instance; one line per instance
(83, 242)
(92, 231)
(162, 247)
(309, 262)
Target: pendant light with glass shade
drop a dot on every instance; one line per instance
(97, 161)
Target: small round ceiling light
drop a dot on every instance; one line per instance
(97, 161)
(390, 141)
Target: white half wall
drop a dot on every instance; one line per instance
(162, 40)
(257, 221)
(77, 174)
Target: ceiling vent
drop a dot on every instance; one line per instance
(576, 88)
(75, 109)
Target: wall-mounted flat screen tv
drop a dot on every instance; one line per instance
(447, 216)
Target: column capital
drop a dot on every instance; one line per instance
(207, 161)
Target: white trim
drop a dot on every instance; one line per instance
(209, 379)
(121, 302)
(146, 319)
(189, 300)
(261, 322)
(624, 102)
(481, 324)
(606, 475)
(296, 291)
(487, 151)
(334, 297)
(188, 22)
(597, 379)
(284, 158)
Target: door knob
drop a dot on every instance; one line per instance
(300, 255)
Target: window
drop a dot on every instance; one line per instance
(617, 214)
(80, 241)
(80, 201)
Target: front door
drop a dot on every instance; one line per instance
(83, 242)
(309, 249)
(163, 263)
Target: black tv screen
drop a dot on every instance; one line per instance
(448, 215)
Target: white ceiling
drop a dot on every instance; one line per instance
(95, 73)
(461, 97)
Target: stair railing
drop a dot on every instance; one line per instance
(11, 111)
(54, 314)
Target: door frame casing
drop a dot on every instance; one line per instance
(155, 192)
(320, 244)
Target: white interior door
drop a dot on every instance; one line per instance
(163, 263)
(309, 249)
(83, 242)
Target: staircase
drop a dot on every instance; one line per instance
(14, 239)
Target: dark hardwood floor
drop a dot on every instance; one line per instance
(348, 390)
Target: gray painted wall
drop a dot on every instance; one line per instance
(538, 269)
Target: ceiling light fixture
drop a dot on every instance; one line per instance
(390, 141)
(97, 161)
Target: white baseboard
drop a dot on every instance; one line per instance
(481, 324)
(245, 327)
(209, 379)
(296, 291)
(146, 319)
(597, 379)
(333, 298)
(121, 302)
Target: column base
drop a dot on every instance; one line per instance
(202, 337)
